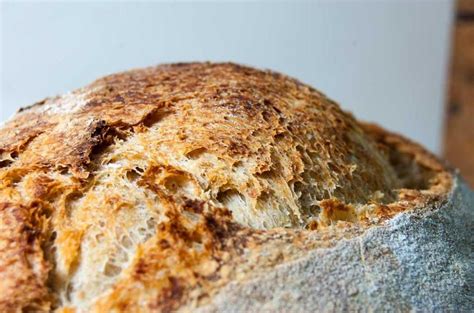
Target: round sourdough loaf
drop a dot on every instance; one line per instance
(218, 187)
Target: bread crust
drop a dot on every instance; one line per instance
(151, 189)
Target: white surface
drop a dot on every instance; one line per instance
(383, 60)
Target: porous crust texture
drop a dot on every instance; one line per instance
(150, 190)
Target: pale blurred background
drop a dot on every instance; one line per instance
(386, 61)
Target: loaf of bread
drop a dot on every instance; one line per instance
(218, 187)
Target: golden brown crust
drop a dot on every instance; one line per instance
(23, 268)
(151, 189)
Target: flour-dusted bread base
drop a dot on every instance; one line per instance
(158, 189)
(418, 261)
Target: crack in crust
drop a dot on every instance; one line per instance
(151, 189)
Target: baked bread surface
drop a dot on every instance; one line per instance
(151, 189)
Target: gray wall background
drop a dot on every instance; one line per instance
(386, 61)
